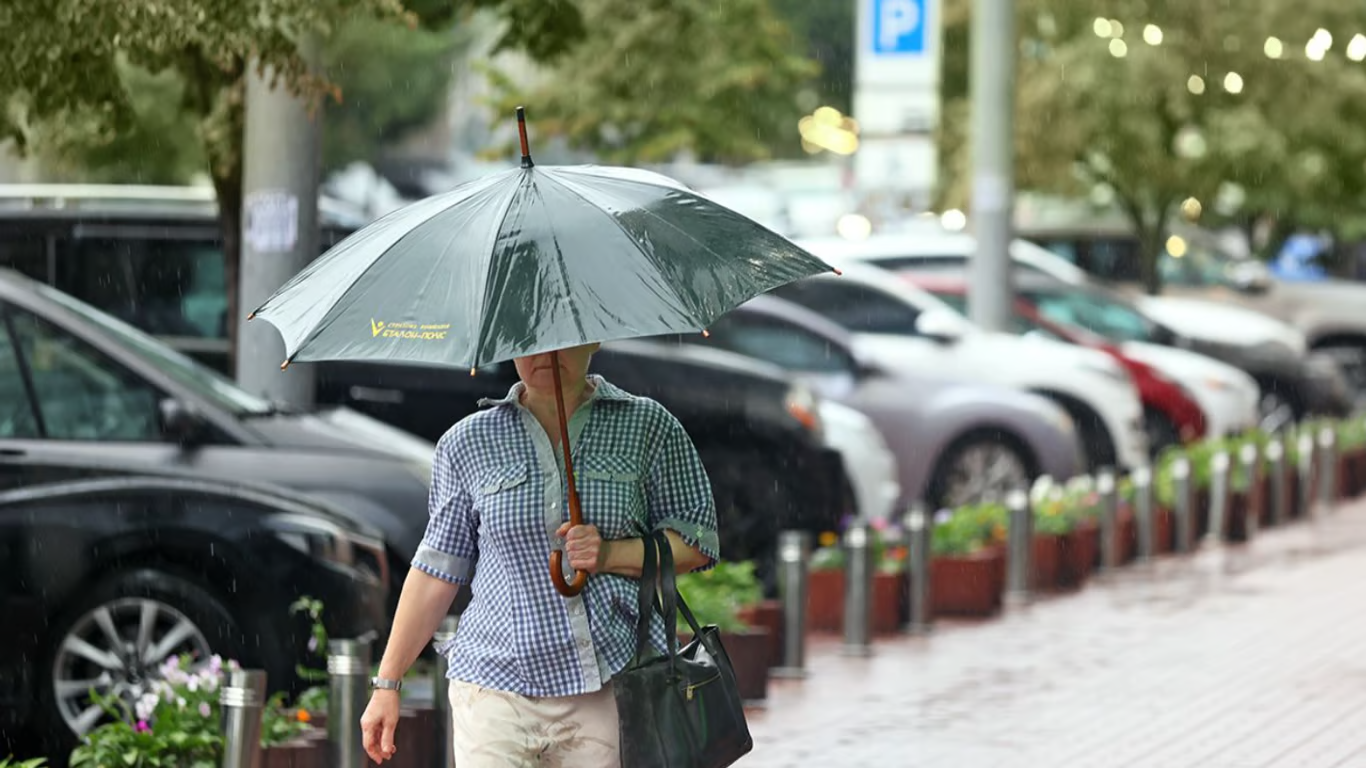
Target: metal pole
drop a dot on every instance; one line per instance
(794, 552)
(1276, 455)
(1185, 519)
(1306, 457)
(1218, 497)
(1109, 520)
(1328, 468)
(242, 698)
(1021, 537)
(1143, 511)
(1252, 462)
(444, 756)
(348, 664)
(858, 589)
(919, 528)
(279, 224)
(992, 73)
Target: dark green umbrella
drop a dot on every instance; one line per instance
(531, 260)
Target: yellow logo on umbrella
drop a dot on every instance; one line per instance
(411, 331)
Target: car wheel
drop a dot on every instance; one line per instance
(1161, 432)
(978, 468)
(747, 494)
(116, 638)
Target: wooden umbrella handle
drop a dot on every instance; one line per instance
(568, 589)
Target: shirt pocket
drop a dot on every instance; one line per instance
(507, 501)
(612, 493)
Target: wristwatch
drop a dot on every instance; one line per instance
(380, 683)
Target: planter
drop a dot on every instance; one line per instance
(825, 601)
(308, 751)
(1046, 561)
(1200, 507)
(967, 585)
(888, 589)
(1239, 512)
(1126, 530)
(1262, 500)
(415, 738)
(767, 615)
(1080, 548)
(1359, 473)
(749, 654)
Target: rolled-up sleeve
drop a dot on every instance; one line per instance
(450, 547)
(678, 492)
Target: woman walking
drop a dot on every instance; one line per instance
(531, 671)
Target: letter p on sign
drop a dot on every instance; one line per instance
(899, 26)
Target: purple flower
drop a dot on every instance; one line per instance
(142, 727)
(313, 644)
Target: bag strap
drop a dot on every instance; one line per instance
(646, 596)
(673, 599)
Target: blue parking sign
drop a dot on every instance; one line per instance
(899, 26)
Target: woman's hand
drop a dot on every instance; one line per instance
(584, 546)
(377, 725)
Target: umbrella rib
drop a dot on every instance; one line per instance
(568, 186)
(484, 327)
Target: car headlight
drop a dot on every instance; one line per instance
(804, 406)
(1217, 384)
(324, 540)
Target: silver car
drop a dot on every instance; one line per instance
(954, 442)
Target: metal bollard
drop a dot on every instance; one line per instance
(444, 756)
(1143, 512)
(243, 697)
(1251, 461)
(858, 589)
(348, 666)
(1185, 517)
(794, 552)
(1021, 537)
(1109, 520)
(919, 528)
(1218, 497)
(1306, 471)
(1328, 468)
(1276, 455)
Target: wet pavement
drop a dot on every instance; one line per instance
(1247, 656)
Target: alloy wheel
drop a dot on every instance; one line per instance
(981, 471)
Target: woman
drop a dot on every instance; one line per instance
(530, 670)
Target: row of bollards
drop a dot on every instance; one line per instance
(1317, 483)
(244, 694)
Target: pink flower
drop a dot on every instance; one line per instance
(142, 727)
(204, 709)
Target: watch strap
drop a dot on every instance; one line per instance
(384, 684)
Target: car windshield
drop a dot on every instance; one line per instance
(202, 380)
(1194, 261)
(1093, 311)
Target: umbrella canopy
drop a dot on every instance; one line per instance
(530, 260)
(526, 261)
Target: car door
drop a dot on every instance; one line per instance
(826, 366)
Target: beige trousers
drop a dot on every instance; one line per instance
(496, 729)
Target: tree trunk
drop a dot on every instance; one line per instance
(1152, 238)
(229, 192)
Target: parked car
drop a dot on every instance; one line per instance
(955, 443)
(758, 433)
(1293, 384)
(901, 327)
(1185, 395)
(869, 464)
(1193, 265)
(81, 385)
(105, 573)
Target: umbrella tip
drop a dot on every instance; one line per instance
(471, 371)
(284, 365)
(706, 333)
(251, 316)
(838, 271)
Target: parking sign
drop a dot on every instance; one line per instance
(898, 27)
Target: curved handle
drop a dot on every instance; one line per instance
(566, 588)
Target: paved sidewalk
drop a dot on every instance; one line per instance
(1249, 656)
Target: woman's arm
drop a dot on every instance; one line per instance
(423, 603)
(625, 557)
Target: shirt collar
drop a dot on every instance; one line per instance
(602, 390)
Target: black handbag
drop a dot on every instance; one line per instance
(681, 709)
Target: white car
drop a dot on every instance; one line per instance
(868, 461)
(902, 327)
(1227, 396)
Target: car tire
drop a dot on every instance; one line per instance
(1160, 430)
(954, 466)
(180, 608)
(747, 493)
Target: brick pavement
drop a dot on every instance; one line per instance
(1236, 658)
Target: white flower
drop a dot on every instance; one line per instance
(193, 683)
(180, 702)
(146, 705)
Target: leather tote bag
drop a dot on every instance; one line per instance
(679, 709)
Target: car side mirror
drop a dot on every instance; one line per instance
(1250, 276)
(865, 368)
(181, 423)
(938, 325)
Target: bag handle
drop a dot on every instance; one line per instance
(673, 599)
(658, 593)
(646, 597)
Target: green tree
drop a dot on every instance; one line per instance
(64, 64)
(652, 78)
(1156, 101)
(827, 26)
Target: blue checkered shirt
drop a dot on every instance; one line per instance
(498, 496)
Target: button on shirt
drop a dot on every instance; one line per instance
(498, 496)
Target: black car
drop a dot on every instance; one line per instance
(755, 430)
(105, 573)
(77, 385)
